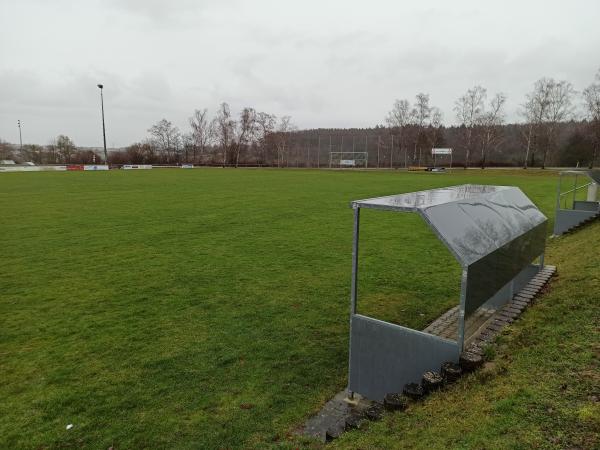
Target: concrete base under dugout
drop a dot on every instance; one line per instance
(481, 328)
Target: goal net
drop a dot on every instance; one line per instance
(348, 159)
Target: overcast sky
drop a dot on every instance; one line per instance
(325, 63)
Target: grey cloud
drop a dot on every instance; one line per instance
(335, 63)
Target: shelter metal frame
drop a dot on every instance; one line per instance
(495, 233)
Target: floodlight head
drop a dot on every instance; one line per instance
(100, 86)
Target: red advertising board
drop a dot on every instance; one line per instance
(75, 167)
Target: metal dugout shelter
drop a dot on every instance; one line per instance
(571, 212)
(494, 232)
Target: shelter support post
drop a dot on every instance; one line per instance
(574, 192)
(592, 193)
(354, 286)
(461, 310)
(558, 191)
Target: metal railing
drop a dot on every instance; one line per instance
(563, 195)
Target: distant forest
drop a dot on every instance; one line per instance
(560, 127)
(389, 148)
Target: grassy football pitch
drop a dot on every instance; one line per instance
(203, 308)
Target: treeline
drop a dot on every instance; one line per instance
(61, 150)
(560, 126)
(253, 137)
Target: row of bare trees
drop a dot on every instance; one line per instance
(225, 139)
(420, 125)
(417, 126)
(546, 106)
(481, 120)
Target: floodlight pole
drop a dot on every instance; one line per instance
(103, 127)
(20, 136)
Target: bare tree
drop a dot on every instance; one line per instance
(202, 132)
(224, 128)
(469, 108)
(245, 132)
(51, 152)
(65, 147)
(528, 111)
(399, 118)
(6, 151)
(31, 152)
(546, 106)
(265, 124)
(140, 153)
(282, 135)
(591, 97)
(166, 138)
(491, 122)
(420, 116)
(188, 148)
(560, 110)
(435, 126)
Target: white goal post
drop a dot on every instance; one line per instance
(443, 152)
(348, 159)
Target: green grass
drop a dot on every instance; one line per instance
(209, 308)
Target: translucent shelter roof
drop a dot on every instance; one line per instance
(472, 220)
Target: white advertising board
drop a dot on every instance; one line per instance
(31, 168)
(137, 166)
(347, 162)
(94, 167)
(441, 151)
